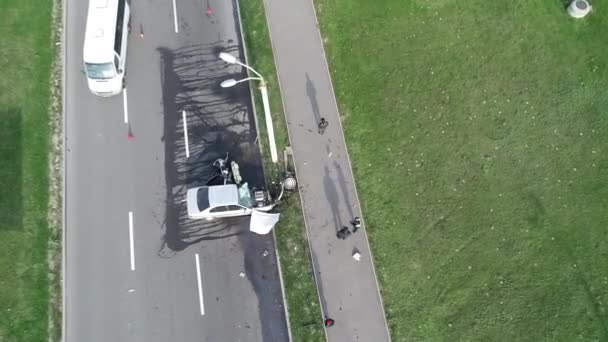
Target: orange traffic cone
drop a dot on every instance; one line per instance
(130, 134)
(209, 11)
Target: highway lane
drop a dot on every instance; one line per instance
(108, 176)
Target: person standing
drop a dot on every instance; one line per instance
(356, 222)
(323, 125)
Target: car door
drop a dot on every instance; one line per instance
(219, 211)
(228, 211)
(237, 210)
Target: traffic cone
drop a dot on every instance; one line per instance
(209, 11)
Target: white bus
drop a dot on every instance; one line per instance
(105, 46)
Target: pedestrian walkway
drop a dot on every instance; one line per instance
(348, 288)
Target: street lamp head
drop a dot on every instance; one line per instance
(228, 83)
(228, 58)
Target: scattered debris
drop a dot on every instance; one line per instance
(343, 233)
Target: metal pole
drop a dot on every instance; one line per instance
(269, 128)
(250, 79)
(249, 68)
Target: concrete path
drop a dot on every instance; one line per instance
(348, 289)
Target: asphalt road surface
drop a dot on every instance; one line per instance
(136, 268)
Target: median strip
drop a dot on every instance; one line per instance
(301, 298)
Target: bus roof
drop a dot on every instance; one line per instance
(100, 32)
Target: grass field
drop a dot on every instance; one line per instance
(25, 62)
(478, 133)
(302, 298)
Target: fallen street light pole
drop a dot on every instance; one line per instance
(269, 127)
(228, 58)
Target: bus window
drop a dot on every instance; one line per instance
(101, 71)
(119, 26)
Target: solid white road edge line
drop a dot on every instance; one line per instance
(175, 16)
(124, 102)
(200, 285)
(131, 241)
(186, 134)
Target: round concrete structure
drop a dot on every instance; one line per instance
(579, 8)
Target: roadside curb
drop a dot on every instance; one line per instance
(64, 9)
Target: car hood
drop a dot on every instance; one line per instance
(107, 87)
(262, 223)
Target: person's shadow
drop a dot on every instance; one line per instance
(331, 194)
(343, 186)
(311, 91)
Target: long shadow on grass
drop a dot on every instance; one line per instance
(11, 150)
(591, 294)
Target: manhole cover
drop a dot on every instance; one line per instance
(582, 5)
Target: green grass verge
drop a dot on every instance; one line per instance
(302, 299)
(478, 132)
(25, 63)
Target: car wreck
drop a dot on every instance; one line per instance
(234, 198)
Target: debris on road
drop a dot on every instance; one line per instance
(343, 233)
